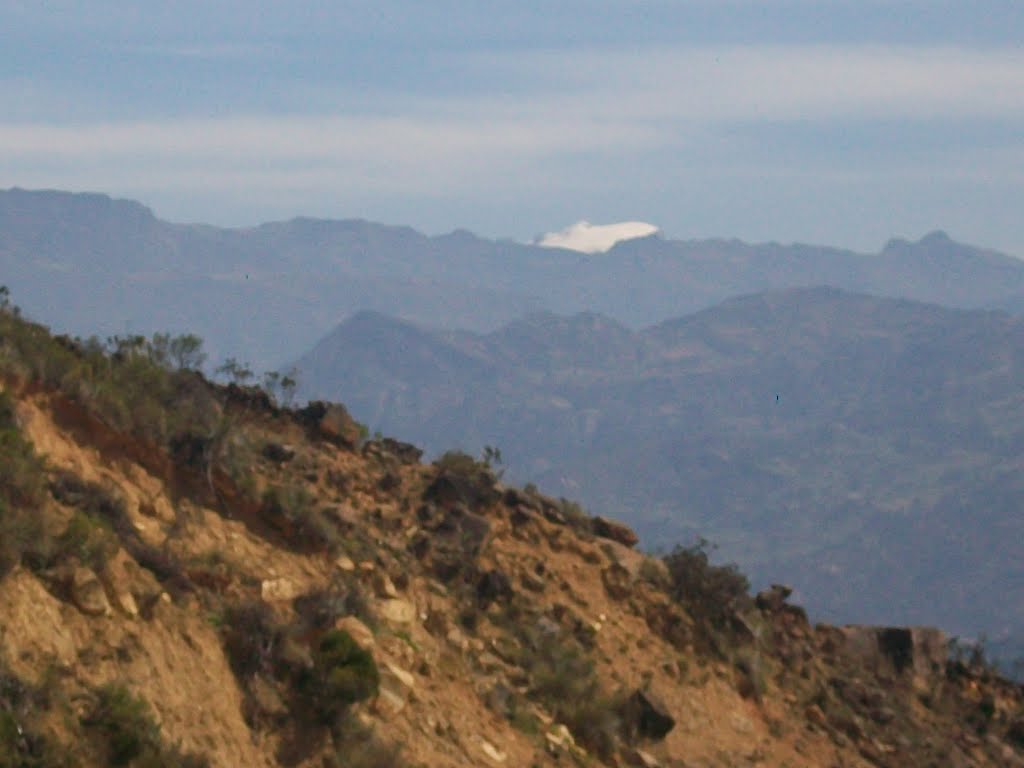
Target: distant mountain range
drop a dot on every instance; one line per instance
(89, 264)
(856, 446)
(869, 451)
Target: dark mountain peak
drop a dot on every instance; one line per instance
(30, 204)
(459, 237)
(934, 243)
(358, 228)
(370, 321)
(938, 237)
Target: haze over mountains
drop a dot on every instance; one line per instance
(89, 264)
(863, 448)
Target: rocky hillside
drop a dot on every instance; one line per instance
(193, 576)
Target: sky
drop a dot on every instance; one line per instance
(822, 121)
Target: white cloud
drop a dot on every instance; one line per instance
(596, 238)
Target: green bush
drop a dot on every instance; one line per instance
(710, 593)
(343, 674)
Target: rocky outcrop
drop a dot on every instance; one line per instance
(644, 716)
(915, 651)
(331, 422)
(616, 531)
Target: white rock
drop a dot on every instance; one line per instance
(279, 589)
(397, 611)
(492, 752)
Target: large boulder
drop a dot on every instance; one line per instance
(88, 594)
(614, 530)
(331, 422)
(915, 651)
(644, 716)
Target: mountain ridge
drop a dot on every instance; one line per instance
(93, 265)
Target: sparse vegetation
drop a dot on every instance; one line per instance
(562, 678)
(22, 530)
(145, 387)
(128, 734)
(342, 674)
(291, 509)
(711, 594)
(464, 480)
(22, 743)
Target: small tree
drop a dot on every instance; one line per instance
(239, 373)
(186, 352)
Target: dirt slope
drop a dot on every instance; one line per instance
(503, 629)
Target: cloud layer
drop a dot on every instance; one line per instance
(545, 133)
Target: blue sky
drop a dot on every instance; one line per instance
(797, 120)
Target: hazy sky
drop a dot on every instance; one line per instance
(808, 120)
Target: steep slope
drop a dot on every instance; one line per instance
(92, 265)
(212, 580)
(817, 436)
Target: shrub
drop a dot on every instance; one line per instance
(344, 597)
(710, 593)
(563, 679)
(290, 509)
(129, 735)
(343, 673)
(251, 635)
(141, 386)
(21, 744)
(357, 746)
(461, 479)
(88, 539)
(22, 532)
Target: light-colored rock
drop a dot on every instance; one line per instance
(88, 594)
(641, 759)
(345, 564)
(357, 630)
(388, 703)
(122, 577)
(492, 752)
(403, 678)
(279, 589)
(396, 685)
(397, 611)
(383, 586)
(559, 736)
(457, 639)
